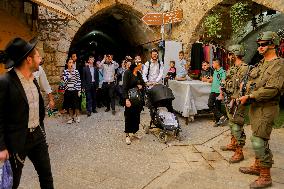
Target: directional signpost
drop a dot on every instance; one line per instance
(173, 17)
(153, 19)
(160, 19)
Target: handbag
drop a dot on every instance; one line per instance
(6, 176)
(84, 102)
(61, 87)
(135, 96)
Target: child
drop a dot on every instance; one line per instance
(171, 73)
(214, 103)
(182, 73)
(206, 72)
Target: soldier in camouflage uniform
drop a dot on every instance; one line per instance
(265, 87)
(235, 113)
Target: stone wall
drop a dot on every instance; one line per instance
(57, 32)
(14, 23)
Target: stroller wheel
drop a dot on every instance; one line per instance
(163, 137)
(146, 128)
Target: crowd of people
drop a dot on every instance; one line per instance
(22, 111)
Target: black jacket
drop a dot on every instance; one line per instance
(14, 112)
(87, 77)
(130, 81)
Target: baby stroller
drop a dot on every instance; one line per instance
(159, 101)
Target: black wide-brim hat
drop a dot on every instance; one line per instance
(17, 50)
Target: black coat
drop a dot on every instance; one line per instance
(14, 113)
(87, 78)
(130, 81)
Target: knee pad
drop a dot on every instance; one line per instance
(231, 125)
(236, 130)
(258, 144)
(236, 127)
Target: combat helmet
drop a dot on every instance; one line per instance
(237, 50)
(269, 36)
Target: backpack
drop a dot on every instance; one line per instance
(149, 67)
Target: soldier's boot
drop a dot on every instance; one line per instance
(230, 147)
(253, 169)
(264, 180)
(238, 155)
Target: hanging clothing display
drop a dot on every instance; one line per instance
(206, 52)
(197, 56)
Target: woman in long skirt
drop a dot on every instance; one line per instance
(132, 79)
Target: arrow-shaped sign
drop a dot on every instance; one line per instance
(163, 18)
(173, 16)
(153, 19)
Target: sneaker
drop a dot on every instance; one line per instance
(113, 112)
(127, 140)
(89, 114)
(70, 121)
(77, 119)
(216, 124)
(107, 110)
(95, 111)
(222, 120)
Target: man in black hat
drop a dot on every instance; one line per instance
(22, 113)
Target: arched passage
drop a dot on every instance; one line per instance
(223, 6)
(272, 19)
(117, 29)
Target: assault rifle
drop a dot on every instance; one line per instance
(243, 89)
(226, 96)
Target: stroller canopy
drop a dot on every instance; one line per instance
(160, 92)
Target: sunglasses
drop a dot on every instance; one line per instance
(263, 44)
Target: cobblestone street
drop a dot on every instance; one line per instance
(93, 154)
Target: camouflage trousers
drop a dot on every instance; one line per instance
(262, 118)
(236, 125)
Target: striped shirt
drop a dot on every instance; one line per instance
(72, 80)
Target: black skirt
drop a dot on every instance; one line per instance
(71, 100)
(132, 119)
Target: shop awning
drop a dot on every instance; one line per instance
(54, 7)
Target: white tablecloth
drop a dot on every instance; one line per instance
(190, 96)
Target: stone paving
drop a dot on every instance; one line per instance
(93, 154)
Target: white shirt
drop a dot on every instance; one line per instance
(108, 70)
(32, 97)
(155, 74)
(42, 80)
(92, 70)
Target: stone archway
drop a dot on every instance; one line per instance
(223, 7)
(117, 29)
(203, 8)
(58, 35)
